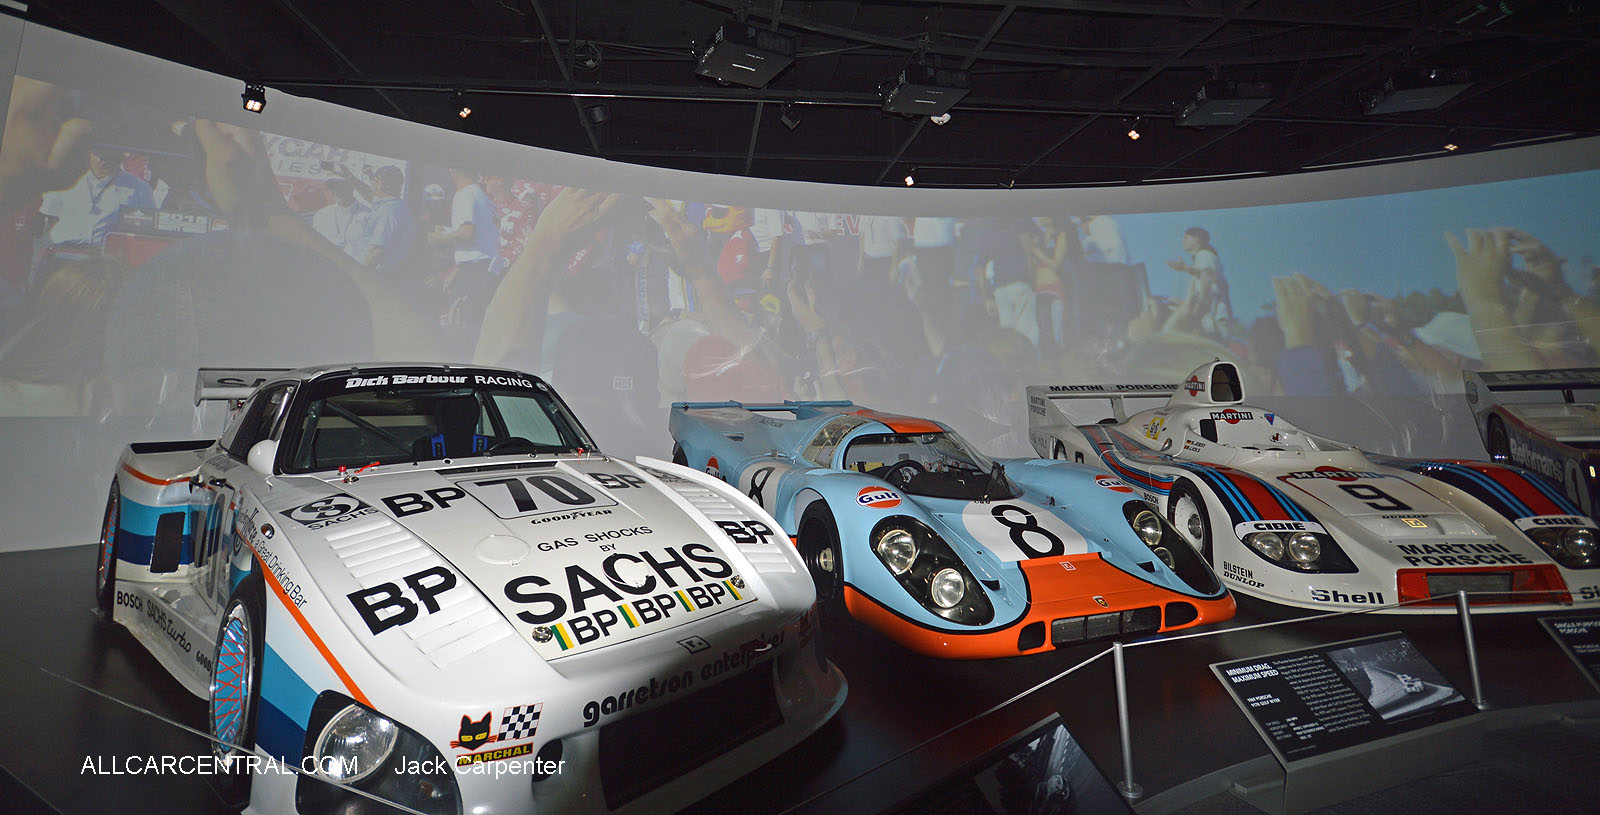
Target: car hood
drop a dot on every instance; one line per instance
(1382, 503)
(578, 555)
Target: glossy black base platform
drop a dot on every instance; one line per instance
(74, 689)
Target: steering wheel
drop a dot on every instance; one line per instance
(511, 442)
(901, 472)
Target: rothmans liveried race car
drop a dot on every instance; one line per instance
(951, 554)
(423, 583)
(1560, 440)
(1302, 520)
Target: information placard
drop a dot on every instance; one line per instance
(1314, 701)
(1579, 636)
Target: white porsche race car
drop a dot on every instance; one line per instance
(1305, 521)
(422, 583)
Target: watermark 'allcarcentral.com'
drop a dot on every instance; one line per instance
(212, 765)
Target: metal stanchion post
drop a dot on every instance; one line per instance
(1472, 648)
(1129, 790)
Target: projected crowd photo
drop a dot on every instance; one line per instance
(143, 243)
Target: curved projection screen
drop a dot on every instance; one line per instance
(145, 240)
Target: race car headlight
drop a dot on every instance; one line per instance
(354, 744)
(1302, 551)
(1304, 548)
(1267, 543)
(948, 588)
(350, 747)
(1580, 543)
(1575, 547)
(929, 570)
(897, 548)
(1148, 525)
(1169, 547)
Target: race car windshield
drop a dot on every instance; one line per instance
(387, 425)
(937, 465)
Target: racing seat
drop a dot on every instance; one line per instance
(456, 420)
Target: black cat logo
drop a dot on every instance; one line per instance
(474, 734)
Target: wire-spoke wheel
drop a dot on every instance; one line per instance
(235, 683)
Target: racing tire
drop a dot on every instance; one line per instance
(1186, 511)
(105, 572)
(819, 548)
(677, 455)
(236, 684)
(1499, 446)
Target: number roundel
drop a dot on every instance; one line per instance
(1375, 497)
(1033, 539)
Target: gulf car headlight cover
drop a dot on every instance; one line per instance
(1148, 525)
(353, 747)
(1168, 546)
(947, 588)
(928, 569)
(897, 548)
(1575, 547)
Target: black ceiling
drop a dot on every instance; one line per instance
(1055, 85)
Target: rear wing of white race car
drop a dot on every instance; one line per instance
(1484, 388)
(230, 384)
(1044, 412)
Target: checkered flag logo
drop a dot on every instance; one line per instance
(519, 722)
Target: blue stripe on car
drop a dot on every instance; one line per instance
(286, 702)
(1501, 493)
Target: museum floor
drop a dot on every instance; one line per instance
(909, 721)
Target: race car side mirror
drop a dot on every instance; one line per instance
(262, 454)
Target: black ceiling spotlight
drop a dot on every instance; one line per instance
(458, 103)
(745, 55)
(255, 97)
(586, 57)
(1415, 89)
(1224, 102)
(791, 116)
(598, 113)
(924, 90)
(1133, 129)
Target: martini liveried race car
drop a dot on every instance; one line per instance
(1560, 440)
(422, 583)
(1305, 521)
(942, 550)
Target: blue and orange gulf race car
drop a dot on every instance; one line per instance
(941, 549)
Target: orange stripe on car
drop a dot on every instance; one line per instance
(150, 479)
(901, 424)
(311, 634)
